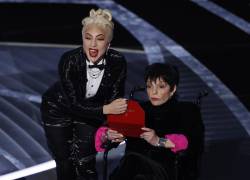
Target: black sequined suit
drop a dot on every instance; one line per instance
(70, 120)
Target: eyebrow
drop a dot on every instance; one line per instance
(160, 83)
(96, 36)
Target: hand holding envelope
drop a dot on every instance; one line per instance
(129, 123)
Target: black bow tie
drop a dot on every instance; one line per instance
(99, 66)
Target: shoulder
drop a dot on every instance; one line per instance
(116, 56)
(72, 52)
(190, 110)
(145, 105)
(72, 55)
(188, 106)
(114, 53)
(116, 61)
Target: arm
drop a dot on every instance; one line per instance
(100, 138)
(104, 134)
(176, 142)
(179, 140)
(193, 128)
(117, 90)
(190, 134)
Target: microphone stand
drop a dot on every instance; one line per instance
(110, 145)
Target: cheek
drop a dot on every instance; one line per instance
(103, 48)
(85, 44)
(148, 93)
(165, 96)
(104, 45)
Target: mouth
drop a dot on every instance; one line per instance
(93, 52)
(154, 99)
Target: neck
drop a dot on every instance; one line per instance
(166, 104)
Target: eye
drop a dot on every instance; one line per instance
(162, 86)
(88, 38)
(148, 86)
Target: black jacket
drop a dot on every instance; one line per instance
(65, 101)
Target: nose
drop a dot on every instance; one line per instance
(93, 43)
(154, 90)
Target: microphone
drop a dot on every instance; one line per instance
(201, 95)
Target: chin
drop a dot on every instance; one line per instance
(93, 59)
(154, 103)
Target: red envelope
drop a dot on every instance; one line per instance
(130, 122)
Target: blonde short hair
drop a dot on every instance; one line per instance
(101, 17)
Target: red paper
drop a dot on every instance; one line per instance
(130, 122)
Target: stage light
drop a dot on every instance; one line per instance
(29, 171)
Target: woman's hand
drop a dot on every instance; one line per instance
(150, 136)
(114, 136)
(118, 106)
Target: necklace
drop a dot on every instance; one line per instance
(94, 73)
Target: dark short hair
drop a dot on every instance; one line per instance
(168, 72)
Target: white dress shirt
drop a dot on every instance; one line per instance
(94, 76)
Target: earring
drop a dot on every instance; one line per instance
(107, 49)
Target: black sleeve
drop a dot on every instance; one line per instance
(194, 129)
(118, 88)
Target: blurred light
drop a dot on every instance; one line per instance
(29, 171)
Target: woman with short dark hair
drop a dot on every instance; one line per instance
(171, 127)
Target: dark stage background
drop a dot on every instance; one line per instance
(34, 35)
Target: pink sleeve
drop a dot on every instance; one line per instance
(100, 133)
(180, 141)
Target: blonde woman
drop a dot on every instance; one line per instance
(91, 85)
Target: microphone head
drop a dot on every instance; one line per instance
(203, 93)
